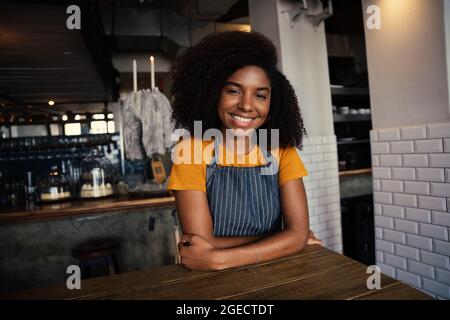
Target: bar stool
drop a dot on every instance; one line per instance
(97, 257)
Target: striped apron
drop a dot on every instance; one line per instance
(242, 201)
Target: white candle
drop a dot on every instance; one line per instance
(134, 76)
(152, 70)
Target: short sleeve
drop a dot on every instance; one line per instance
(187, 174)
(291, 166)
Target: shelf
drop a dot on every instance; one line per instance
(351, 117)
(355, 172)
(353, 141)
(349, 91)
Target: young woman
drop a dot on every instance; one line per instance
(231, 213)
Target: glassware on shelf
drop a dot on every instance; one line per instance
(54, 187)
(97, 178)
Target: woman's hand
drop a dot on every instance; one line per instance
(198, 253)
(312, 239)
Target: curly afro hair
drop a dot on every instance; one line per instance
(200, 73)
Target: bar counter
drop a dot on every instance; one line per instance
(313, 273)
(85, 207)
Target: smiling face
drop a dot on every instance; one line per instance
(245, 99)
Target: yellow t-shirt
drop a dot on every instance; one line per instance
(191, 156)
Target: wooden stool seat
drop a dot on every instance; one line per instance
(94, 250)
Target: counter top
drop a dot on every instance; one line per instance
(313, 273)
(75, 208)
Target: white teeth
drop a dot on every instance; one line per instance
(241, 119)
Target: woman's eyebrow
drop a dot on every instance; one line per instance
(231, 83)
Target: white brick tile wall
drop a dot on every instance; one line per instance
(436, 287)
(407, 200)
(443, 276)
(419, 242)
(415, 160)
(402, 147)
(403, 173)
(390, 160)
(387, 270)
(384, 246)
(433, 231)
(406, 226)
(428, 146)
(392, 185)
(420, 215)
(434, 203)
(415, 187)
(439, 160)
(395, 261)
(411, 183)
(409, 278)
(413, 132)
(392, 211)
(407, 252)
(435, 259)
(428, 174)
(391, 134)
(441, 130)
(421, 269)
(394, 236)
(440, 189)
(441, 218)
(442, 247)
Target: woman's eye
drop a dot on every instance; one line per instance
(261, 96)
(232, 91)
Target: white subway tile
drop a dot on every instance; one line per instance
(436, 287)
(334, 224)
(428, 146)
(380, 147)
(433, 231)
(402, 147)
(384, 222)
(440, 189)
(319, 192)
(438, 130)
(375, 160)
(373, 135)
(382, 173)
(392, 211)
(376, 185)
(379, 257)
(415, 160)
(407, 200)
(391, 134)
(331, 156)
(419, 242)
(394, 236)
(403, 173)
(392, 185)
(409, 278)
(447, 145)
(447, 175)
(390, 160)
(421, 268)
(320, 210)
(418, 215)
(377, 208)
(387, 270)
(434, 259)
(441, 218)
(317, 157)
(442, 247)
(439, 160)
(395, 261)
(413, 132)
(407, 252)
(384, 246)
(382, 197)
(334, 207)
(378, 233)
(329, 139)
(428, 174)
(443, 276)
(433, 203)
(415, 187)
(332, 190)
(406, 226)
(331, 173)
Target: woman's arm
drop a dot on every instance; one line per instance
(195, 218)
(201, 253)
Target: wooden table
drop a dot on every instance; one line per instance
(314, 273)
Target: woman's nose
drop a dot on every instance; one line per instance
(246, 103)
